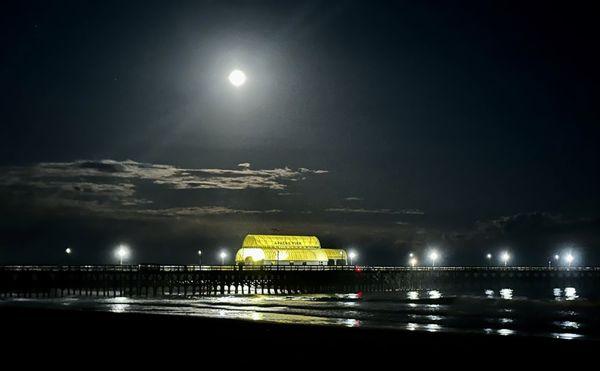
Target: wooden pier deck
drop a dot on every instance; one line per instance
(194, 280)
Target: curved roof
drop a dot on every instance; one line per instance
(280, 242)
(335, 254)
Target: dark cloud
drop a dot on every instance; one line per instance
(352, 198)
(375, 211)
(201, 211)
(109, 185)
(527, 224)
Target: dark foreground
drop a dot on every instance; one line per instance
(71, 332)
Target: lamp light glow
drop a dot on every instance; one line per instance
(569, 258)
(505, 257)
(433, 256)
(122, 253)
(352, 254)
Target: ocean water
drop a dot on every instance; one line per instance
(566, 313)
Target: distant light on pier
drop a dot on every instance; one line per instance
(223, 255)
(122, 253)
(569, 258)
(352, 255)
(433, 255)
(413, 262)
(68, 251)
(505, 257)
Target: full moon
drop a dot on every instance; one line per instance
(237, 78)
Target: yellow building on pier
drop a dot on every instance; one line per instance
(287, 250)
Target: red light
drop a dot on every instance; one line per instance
(358, 269)
(359, 294)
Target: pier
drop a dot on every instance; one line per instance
(193, 280)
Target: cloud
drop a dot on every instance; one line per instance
(170, 176)
(353, 199)
(375, 211)
(202, 211)
(520, 223)
(110, 184)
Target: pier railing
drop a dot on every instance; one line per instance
(294, 268)
(191, 280)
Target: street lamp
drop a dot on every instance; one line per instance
(352, 255)
(122, 252)
(68, 251)
(200, 257)
(489, 258)
(505, 257)
(433, 256)
(223, 255)
(569, 258)
(413, 262)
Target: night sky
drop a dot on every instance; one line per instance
(470, 126)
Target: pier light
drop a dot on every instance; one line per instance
(569, 258)
(122, 253)
(68, 251)
(411, 255)
(200, 257)
(352, 255)
(223, 255)
(505, 257)
(556, 257)
(489, 256)
(433, 256)
(413, 262)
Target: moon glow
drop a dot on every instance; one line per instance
(237, 78)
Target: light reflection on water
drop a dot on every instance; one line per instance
(569, 293)
(566, 335)
(506, 294)
(434, 294)
(562, 313)
(413, 295)
(505, 332)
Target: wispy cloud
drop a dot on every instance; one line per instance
(171, 176)
(352, 198)
(202, 211)
(110, 184)
(375, 211)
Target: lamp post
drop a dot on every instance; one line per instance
(200, 258)
(223, 255)
(352, 255)
(433, 256)
(413, 262)
(569, 258)
(505, 258)
(68, 251)
(489, 258)
(122, 253)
